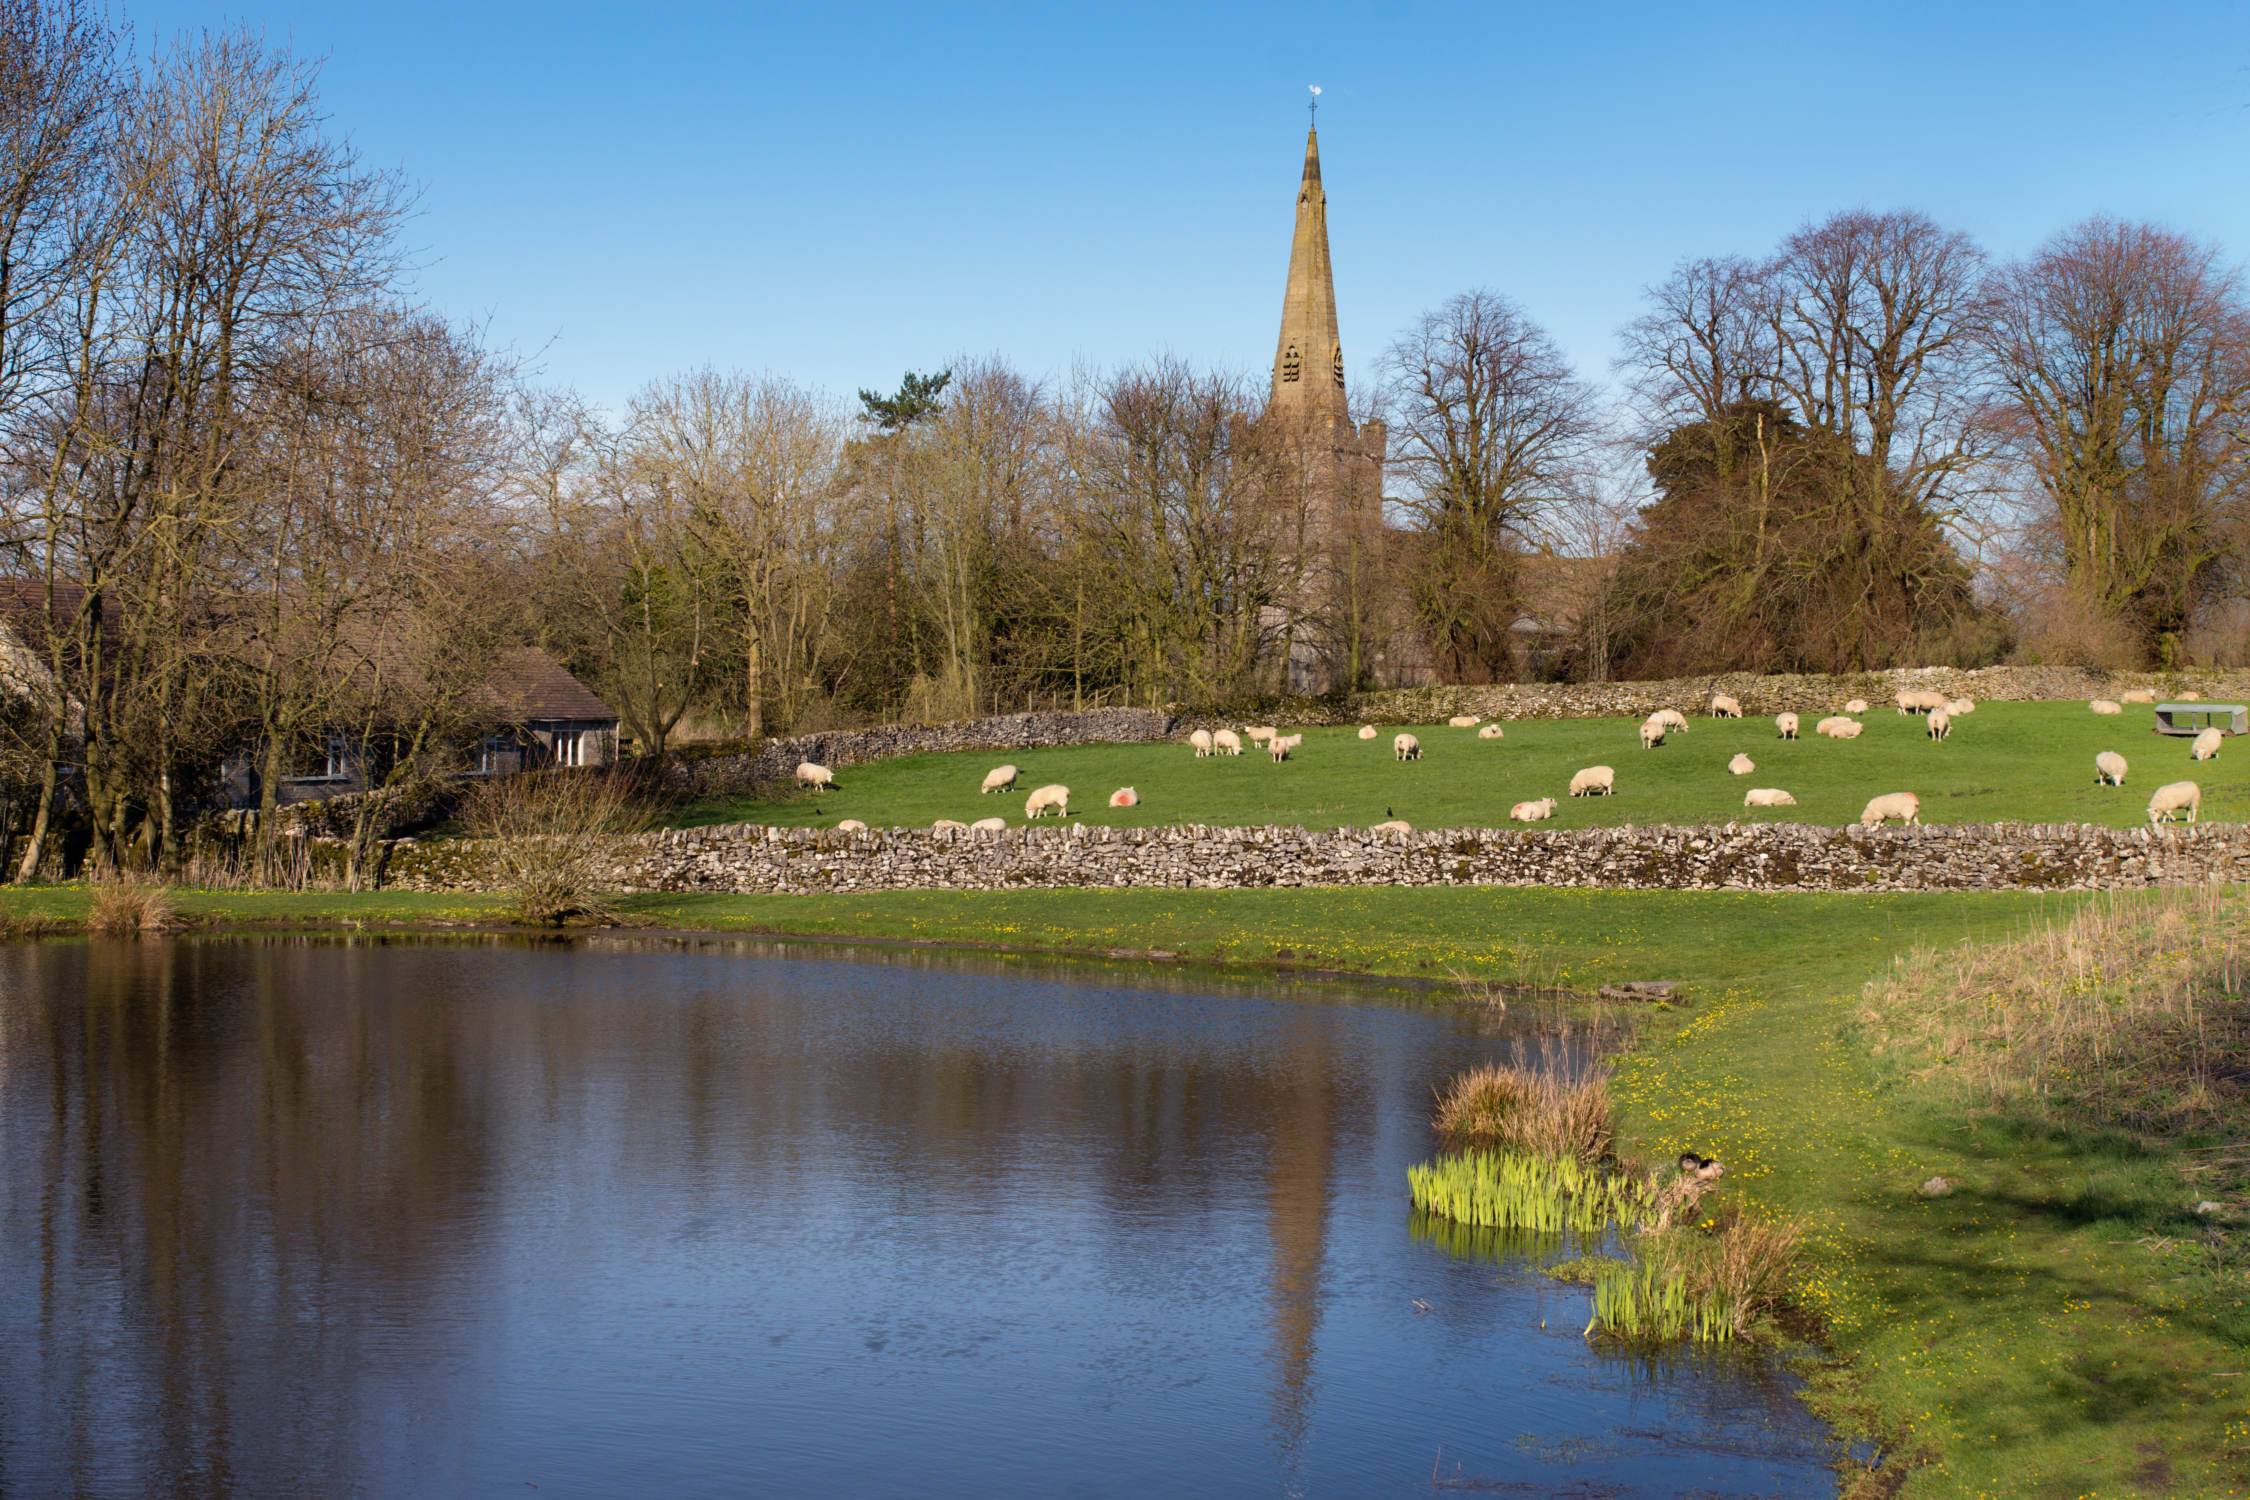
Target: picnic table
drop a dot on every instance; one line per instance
(2194, 718)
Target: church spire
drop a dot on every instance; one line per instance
(1308, 361)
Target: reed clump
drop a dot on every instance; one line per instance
(2131, 1012)
(127, 907)
(1708, 1284)
(1541, 1110)
(1515, 1190)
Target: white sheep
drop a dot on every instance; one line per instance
(1001, 778)
(1594, 781)
(1959, 706)
(2138, 695)
(851, 825)
(1904, 806)
(2173, 799)
(1463, 721)
(1918, 700)
(1226, 742)
(1281, 744)
(1856, 706)
(1395, 825)
(1406, 747)
(1940, 725)
(989, 825)
(1837, 727)
(2109, 769)
(1492, 732)
(1201, 740)
(1367, 731)
(1742, 765)
(1672, 720)
(1053, 798)
(1725, 707)
(815, 775)
(1533, 812)
(1652, 733)
(1767, 796)
(1786, 725)
(1258, 734)
(1850, 729)
(2190, 697)
(2206, 746)
(2106, 706)
(949, 825)
(1124, 796)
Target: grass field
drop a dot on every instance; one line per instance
(2061, 1325)
(2030, 762)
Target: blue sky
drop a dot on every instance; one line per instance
(841, 192)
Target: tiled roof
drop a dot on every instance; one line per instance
(529, 684)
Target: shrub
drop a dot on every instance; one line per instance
(124, 906)
(1542, 1111)
(555, 839)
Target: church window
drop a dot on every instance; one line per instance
(1290, 364)
(1337, 364)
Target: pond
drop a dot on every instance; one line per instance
(413, 1218)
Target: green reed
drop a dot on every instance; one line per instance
(1509, 1190)
(1642, 1301)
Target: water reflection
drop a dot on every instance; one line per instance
(419, 1218)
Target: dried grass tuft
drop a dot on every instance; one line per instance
(126, 906)
(1540, 1110)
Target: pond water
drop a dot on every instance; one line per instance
(449, 1218)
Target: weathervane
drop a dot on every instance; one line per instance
(1313, 109)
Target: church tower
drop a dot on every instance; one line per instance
(1308, 360)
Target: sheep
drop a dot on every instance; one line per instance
(1406, 747)
(1856, 706)
(2191, 697)
(2206, 746)
(1395, 825)
(2109, 769)
(1492, 732)
(1003, 778)
(1594, 781)
(1837, 727)
(1742, 765)
(2173, 799)
(1767, 796)
(1124, 796)
(1053, 798)
(1226, 742)
(1672, 719)
(2105, 706)
(815, 775)
(851, 825)
(1940, 725)
(1463, 721)
(1202, 742)
(1959, 706)
(1258, 734)
(1785, 725)
(1533, 812)
(949, 825)
(1367, 731)
(1904, 806)
(2138, 695)
(1918, 700)
(1724, 707)
(1281, 744)
(1652, 734)
(989, 825)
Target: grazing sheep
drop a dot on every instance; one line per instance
(1226, 742)
(1594, 781)
(1202, 742)
(1002, 778)
(1742, 765)
(2191, 697)
(1960, 706)
(1367, 731)
(1767, 796)
(1281, 744)
(989, 825)
(1724, 707)
(851, 825)
(1052, 798)
(1837, 727)
(1463, 721)
(1941, 724)
(2173, 799)
(1672, 719)
(2106, 706)
(1856, 706)
(1652, 733)
(1533, 812)
(1492, 732)
(2206, 746)
(949, 825)
(815, 775)
(2138, 695)
(1124, 796)
(1904, 806)
(1259, 733)
(2109, 769)
(1395, 825)
(1918, 700)
(1786, 724)
(1406, 747)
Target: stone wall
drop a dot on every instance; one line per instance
(705, 775)
(1778, 856)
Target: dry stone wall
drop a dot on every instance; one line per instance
(1777, 856)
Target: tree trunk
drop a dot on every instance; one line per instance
(35, 847)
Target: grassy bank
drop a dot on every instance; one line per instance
(2060, 1324)
(2029, 762)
